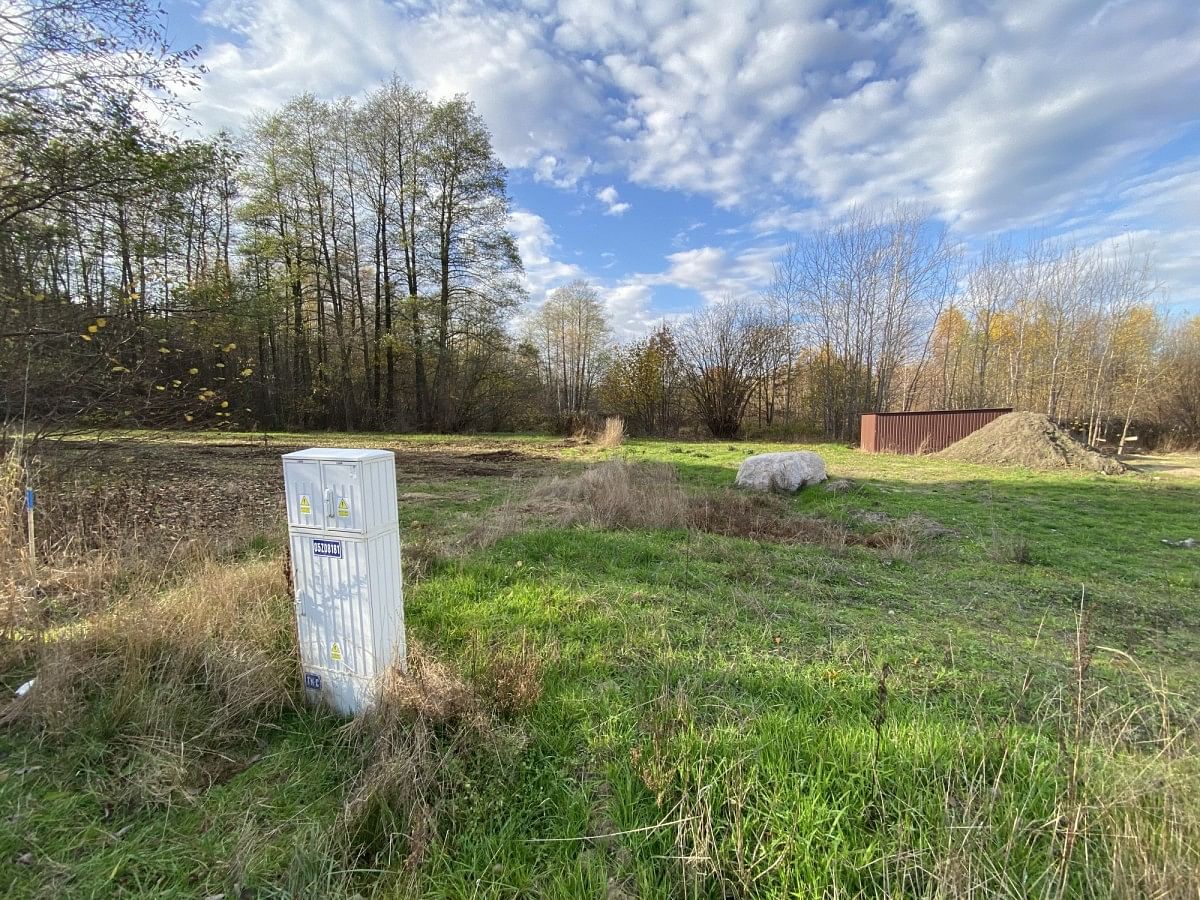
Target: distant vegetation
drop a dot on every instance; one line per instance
(350, 264)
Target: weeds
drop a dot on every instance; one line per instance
(1003, 548)
(618, 494)
(512, 678)
(408, 748)
(612, 435)
(185, 675)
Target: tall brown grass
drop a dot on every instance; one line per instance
(186, 673)
(619, 494)
(90, 543)
(612, 434)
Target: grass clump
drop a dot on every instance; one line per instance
(173, 684)
(1009, 548)
(408, 751)
(618, 494)
(612, 434)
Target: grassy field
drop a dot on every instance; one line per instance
(943, 681)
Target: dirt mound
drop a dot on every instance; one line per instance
(1031, 440)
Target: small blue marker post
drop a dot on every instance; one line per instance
(30, 499)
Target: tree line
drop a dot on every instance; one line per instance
(882, 312)
(349, 264)
(344, 265)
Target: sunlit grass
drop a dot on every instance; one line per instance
(715, 716)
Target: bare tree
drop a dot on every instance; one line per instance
(870, 289)
(722, 348)
(571, 334)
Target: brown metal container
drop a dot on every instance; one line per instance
(922, 432)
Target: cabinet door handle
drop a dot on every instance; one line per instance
(329, 503)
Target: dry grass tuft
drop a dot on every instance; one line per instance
(734, 513)
(1009, 548)
(430, 690)
(617, 494)
(622, 494)
(612, 435)
(512, 679)
(412, 747)
(186, 674)
(422, 557)
(393, 802)
(88, 542)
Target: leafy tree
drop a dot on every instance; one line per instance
(643, 383)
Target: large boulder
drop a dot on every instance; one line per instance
(788, 471)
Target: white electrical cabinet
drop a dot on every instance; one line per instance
(344, 536)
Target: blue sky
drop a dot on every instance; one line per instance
(667, 150)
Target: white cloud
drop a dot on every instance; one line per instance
(535, 100)
(995, 113)
(628, 305)
(1156, 213)
(613, 206)
(543, 271)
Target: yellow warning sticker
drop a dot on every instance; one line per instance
(305, 506)
(343, 508)
(335, 652)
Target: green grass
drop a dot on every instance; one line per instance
(716, 703)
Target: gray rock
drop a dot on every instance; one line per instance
(787, 471)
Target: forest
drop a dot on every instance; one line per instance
(349, 264)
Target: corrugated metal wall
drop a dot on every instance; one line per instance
(922, 432)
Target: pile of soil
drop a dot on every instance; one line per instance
(1031, 440)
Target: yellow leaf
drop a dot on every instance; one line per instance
(220, 365)
(119, 369)
(193, 371)
(246, 373)
(187, 417)
(159, 387)
(164, 350)
(101, 322)
(229, 348)
(92, 329)
(224, 404)
(86, 337)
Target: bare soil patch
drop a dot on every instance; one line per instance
(1171, 465)
(174, 488)
(1030, 440)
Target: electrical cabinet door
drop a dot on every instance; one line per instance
(333, 609)
(302, 480)
(343, 496)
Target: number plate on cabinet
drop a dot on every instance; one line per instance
(327, 548)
